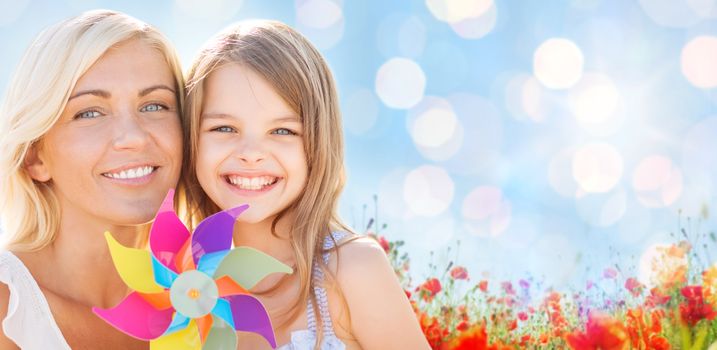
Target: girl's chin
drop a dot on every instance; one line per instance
(253, 218)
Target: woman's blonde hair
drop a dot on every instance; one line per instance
(299, 74)
(35, 99)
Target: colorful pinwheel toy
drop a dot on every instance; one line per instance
(190, 292)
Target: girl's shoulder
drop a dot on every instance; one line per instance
(359, 262)
(375, 308)
(350, 250)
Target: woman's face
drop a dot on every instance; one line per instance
(117, 148)
(250, 148)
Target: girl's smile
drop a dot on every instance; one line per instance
(248, 184)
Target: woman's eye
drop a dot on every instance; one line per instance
(87, 115)
(283, 131)
(153, 107)
(223, 129)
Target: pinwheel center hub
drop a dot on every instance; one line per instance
(194, 294)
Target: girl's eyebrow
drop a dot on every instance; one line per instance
(280, 119)
(289, 118)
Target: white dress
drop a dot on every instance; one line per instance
(305, 339)
(29, 322)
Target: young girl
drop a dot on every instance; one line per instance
(264, 129)
(91, 141)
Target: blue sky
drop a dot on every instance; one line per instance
(550, 137)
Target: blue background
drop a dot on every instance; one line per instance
(502, 174)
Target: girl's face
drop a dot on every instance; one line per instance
(116, 149)
(251, 149)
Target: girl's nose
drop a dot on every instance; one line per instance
(250, 151)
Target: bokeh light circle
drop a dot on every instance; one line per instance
(453, 11)
(657, 181)
(434, 128)
(322, 21)
(400, 83)
(699, 61)
(597, 167)
(558, 63)
(594, 100)
(428, 190)
(476, 27)
(432, 122)
(486, 212)
(319, 14)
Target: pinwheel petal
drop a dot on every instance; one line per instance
(159, 301)
(247, 266)
(223, 310)
(227, 286)
(185, 339)
(134, 266)
(184, 259)
(136, 317)
(204, 324)
(209, 262)
(168, 233)
(214, 233)
(179, 322)
(251, 316)
(221, 336)
(162, 274)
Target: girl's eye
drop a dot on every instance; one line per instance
(283, 131)
(153, 107)
(87, 115)
(224, 129)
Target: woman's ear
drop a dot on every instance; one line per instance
(34, 164)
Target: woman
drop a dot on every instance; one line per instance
(91, 142)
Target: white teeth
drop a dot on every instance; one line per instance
(251, 183)
(131, 173)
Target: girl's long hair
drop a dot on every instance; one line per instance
(300, 75)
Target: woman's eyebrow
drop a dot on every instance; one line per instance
(99, 93)
(148, 90)
(107, 94)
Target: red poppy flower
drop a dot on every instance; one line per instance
(475, 338)
(459, 273)
(601, 333)
(694, 309)
(634, 286)
(429, 289)
(522, 316)
(483, 286)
